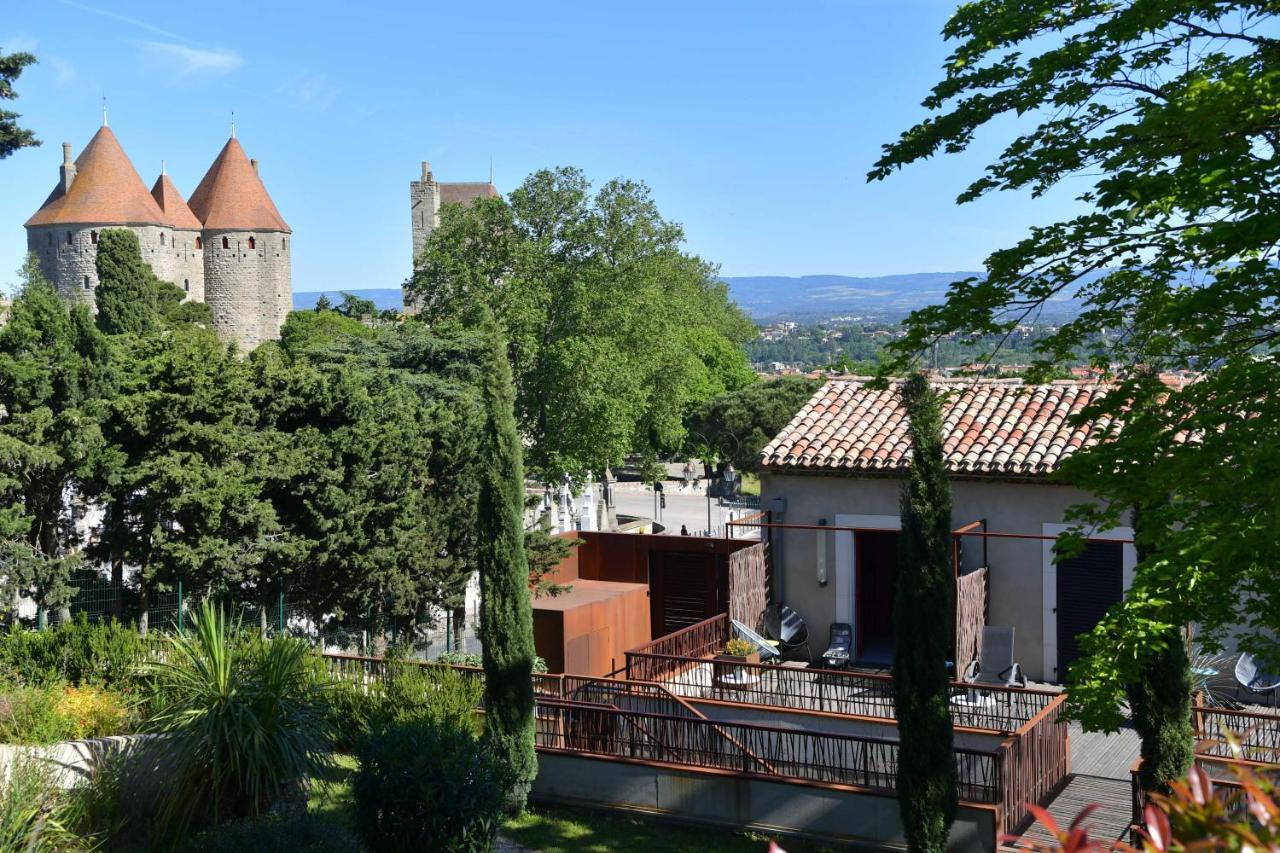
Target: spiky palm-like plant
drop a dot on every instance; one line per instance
(245, 719)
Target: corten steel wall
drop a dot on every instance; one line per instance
(589, 630)
(1014, 584)
(724, 799)
(625, 556)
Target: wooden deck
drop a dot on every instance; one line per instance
(1100, 774)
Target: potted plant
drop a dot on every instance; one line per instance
(736, 653)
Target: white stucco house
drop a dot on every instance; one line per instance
(839, 464)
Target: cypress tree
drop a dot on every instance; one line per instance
(1161, 702)
(126, 294)
(506, 614)
(922, 621)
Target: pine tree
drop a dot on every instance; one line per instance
(506, 616)
(922, 622)
(126, 294)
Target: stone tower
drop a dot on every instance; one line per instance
(427, 196)
(247, 274)
(99, 190)
(228, 247)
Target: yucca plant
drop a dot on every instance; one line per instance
(244, 719)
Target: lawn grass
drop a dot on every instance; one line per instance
(564, 830)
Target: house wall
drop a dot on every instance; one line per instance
(1016, 582)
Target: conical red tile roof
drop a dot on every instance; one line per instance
(175, 210)
(106, 190)
(232, 197)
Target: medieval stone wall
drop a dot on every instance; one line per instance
(247, 284)
(68, 257)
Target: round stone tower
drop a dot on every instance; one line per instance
(99, 190)
(247, 275)
(181, 256)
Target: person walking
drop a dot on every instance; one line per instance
(684, 530)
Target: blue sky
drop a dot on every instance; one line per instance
(754, 123)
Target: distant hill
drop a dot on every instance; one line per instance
(383, 297)
(777, 296)
(784, 296)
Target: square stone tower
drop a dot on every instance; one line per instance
(424, 205)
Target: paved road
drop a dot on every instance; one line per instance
(686, 509)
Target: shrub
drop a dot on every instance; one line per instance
(738, 647)
(105, 654)
(29, 715)
(421, 782)
(474, 659)
(89, 712)
(308, 833)
(409, 693)
(247, 718)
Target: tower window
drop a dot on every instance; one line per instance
(87, 286)
(199, 243)
(161, 238)
(186, 285)
(50, 236)
(284, 243)
(68, 238)
(253, 244)
(226, 243)
(93, 237)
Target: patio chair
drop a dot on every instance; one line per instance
(838, 650)
(996, 666)
(1254, 681)
(783, 624)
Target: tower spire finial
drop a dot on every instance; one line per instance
(490, 170)
(104, 109)
(233, 124)
(162, 171)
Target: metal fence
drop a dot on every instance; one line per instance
(433, 632)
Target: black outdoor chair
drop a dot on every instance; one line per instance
(1254, 681)
(838, 650)
(783, 624)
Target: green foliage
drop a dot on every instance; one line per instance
(54, 712)
(737, 425)
(1159, 114)
(922, 630)
(355, 307)
(1161, 706)
(372, 452)
(324, 303)
(277, 834)
(506, 615)
(105, 654)
(613, 332)
(543, 551)
(437, 695)
(126, 295)
(420, 781)
(246, 720)
(53, 371)
(13, 137)
(35, 816)
(321, 327)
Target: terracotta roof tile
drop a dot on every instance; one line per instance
(465, 193)
(231, 195)
(106, 190)
(991, 428)
(174, 209)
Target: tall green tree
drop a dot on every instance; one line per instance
(126, 295)
(54, 371)
(738, 424)
(13, 137)
(506, 615)
(184, 498)
(613, 332)
(923, 630)
(374, 449)
(1164, 115)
